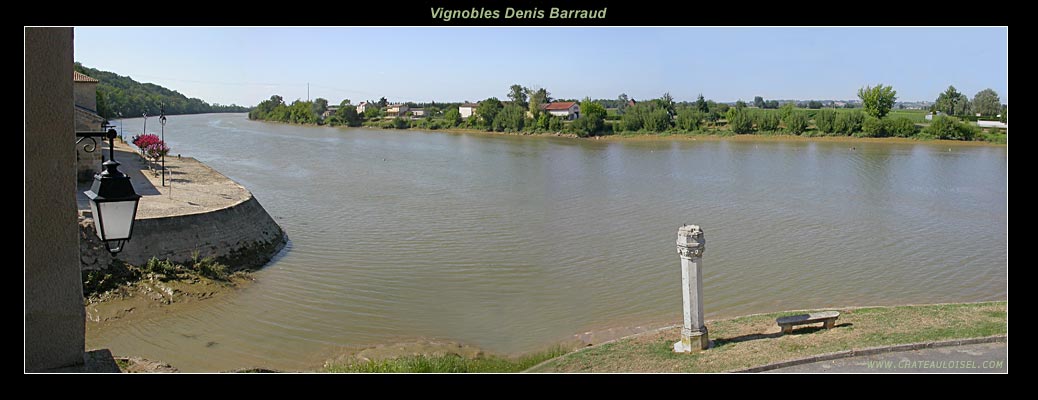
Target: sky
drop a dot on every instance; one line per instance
(247, 65)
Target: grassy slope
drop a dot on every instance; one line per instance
(754, 340)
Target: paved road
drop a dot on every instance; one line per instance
(975, 358)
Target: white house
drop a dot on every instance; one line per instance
(992, 124)
(417, 113)
(362, 106)
(564, 109)
(467, 109)
(929, 117)
(396, 109)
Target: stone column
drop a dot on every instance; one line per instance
(690, 248)
(54, 320)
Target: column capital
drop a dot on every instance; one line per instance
(690, 241)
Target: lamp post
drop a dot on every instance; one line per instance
(145, 130)
(162, 140)
(113, 202)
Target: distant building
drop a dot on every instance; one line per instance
(467, 109)
(396, 109)
(362, 106)
(331, 110)
(84, 93)
(631, 102)
(930, 116)
(992, 124)
(417, 113)
(564, 109)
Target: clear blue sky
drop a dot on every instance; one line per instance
(247, 65)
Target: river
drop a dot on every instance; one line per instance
(514, 243)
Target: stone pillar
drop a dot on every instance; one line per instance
(690, 248)
(54, 314)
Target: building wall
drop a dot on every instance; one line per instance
(86, 94)
(54, 316)
(466, 111)
(87, 163)
(242, 235)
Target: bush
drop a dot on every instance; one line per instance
(945, 127)
(825, 121)
(740, 121)
(796, 122)
(900, 127)
(767, 121)
(872, 127)
(400, 123)
(690, 120)
(209, 268)
(166, 268)
(848, 122)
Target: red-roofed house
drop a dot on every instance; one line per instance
(564, 109)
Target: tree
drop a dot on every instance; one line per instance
(739, 121)
(452, 116)
(621, 105)
(985, 102)
(773, 104)
(511, 118)
(796, 122)
(825, 121)
(701, 104)
(758, 102)
(848, 122)
(348, 115)
(948, 100)
(878, 100)
(517, 94)
(1005, 113)
(814, 104)
(382, 102)
(592, 118)
(487, 111)
(944, 127)
(740, 104)
(786, 109)
(689, 119)
(372, 112)
(320, 105)
(767, 121)
(537, 98)
(666, 102)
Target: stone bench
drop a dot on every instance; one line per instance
(828, 318)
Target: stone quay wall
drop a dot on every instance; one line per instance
(242, 235)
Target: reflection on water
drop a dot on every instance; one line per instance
(513, 243)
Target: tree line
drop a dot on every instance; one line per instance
(121, 96)
(521, 113)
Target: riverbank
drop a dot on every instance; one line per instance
(738, 343)
(754, 340)
(652, 137)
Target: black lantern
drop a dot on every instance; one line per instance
(113, 202)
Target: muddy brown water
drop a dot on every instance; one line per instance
(511, 244)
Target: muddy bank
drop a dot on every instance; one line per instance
(152, 297)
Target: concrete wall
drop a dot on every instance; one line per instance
(54, 314)
(242, 236)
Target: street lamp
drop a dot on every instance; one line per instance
(162, 139)
(113, 201)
